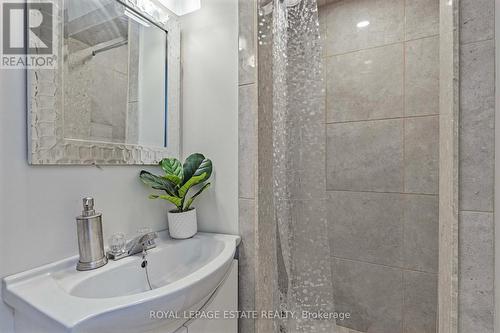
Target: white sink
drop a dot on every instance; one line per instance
(116, 297)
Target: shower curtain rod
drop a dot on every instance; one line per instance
(109, 47)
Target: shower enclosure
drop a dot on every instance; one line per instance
(356, 117)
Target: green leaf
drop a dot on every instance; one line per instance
(190, 200)
(174, 200)
(158, 183)
(205, 167)
(190, 183)
(195, 165)
(173, 170)
(173, 179)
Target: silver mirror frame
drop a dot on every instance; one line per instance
(46, 142)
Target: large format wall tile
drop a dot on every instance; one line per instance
(247, 230)
(247, 53)
(366, 226)
(422, 155)
(420, 302)
(476, 272)
(246, 263)
(477, 63)
(422, 77)
(347, 29)
(477, 113)
(421, 232)
(369, 227)
(372, 294)
(247, 129)
(365, 156)
(365, 84)
(477, 20)
(422, 18)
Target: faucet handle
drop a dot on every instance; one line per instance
(117, 243)
(149, 235)
(148, 239)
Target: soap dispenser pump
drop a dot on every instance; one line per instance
(90, 239)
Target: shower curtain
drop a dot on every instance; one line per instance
(303, 273)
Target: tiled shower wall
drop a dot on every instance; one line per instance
(382, 168)
(247, 159)
(382, 84)
(476, 177)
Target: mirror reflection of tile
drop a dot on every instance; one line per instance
(105, 73)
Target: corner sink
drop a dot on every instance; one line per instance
(183, 275)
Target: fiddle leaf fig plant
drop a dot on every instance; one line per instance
(178, 179)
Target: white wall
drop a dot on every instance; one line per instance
(210, 106)
(38, 205)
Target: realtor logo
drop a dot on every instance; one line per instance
(28, 35)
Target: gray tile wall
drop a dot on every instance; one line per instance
(247, 160)
(476, 179)
(383, 218)
(267, 284)
(382, 125)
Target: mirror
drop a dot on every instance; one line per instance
(117, 97)
(115, 70)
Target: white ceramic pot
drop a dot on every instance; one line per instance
(182, 225)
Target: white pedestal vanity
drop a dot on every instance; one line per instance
(191, 280)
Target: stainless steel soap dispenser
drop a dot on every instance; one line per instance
(90, 239)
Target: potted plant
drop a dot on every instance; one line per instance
(176, 182)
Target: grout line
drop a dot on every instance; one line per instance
(381, 192)
(379, 119)
(404, 269)
(246, 84)
(325, 86)
(403, 121)
(378, 46)
(477, 41)
(345, 329)
(245, 198)
(475, 211)
(403, 292)
(324, 59)
(403, 169)
(403, 166)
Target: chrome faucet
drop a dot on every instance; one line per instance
(139, 244)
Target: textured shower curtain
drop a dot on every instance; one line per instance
(303, 270)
